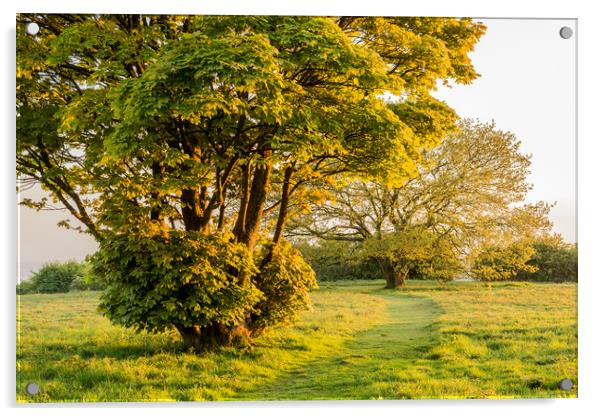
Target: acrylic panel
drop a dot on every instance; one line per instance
(258, 208)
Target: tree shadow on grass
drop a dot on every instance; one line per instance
(88, 350)
(367, 363)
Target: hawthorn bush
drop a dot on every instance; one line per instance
(56, 277)
(503, 262)
(25, 287)
(199, 284)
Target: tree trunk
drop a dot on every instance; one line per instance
(258, 194)
(193, 338)
(213, 336)
(222, 214)
(244, 201)
(394, 278)
(282, 213)
(155, 213)
(191, 209)
(282, 216)
(398, 281)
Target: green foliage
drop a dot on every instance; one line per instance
(503, 262)
(346, 260)
(56, 277)
(309, 89)
(284, 282)
(339, 260)
(79, 283)
(60, 277)
(183, 279)
(442, 263)
(25, 287)
(404, 250)
(414, 252)
(555, 261)
(88, 280)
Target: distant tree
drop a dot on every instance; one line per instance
(56, 277)
(415, 251)
(466, 195)
(555, 261)
(178, 142)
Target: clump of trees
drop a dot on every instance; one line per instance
(545, 259)
(553, 260)
(61, 277)
(186, 144)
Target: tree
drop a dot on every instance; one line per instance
(179, 141)
(416, 251)
(465, 195)
(553, 259)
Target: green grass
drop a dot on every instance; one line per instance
(430, 340)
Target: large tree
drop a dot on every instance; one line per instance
(169, 138)
(469, 192)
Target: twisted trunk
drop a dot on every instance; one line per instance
(394, 278)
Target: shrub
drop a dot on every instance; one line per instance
(25, 287)
(185, 279)
(503, 263)
(56, 277)
(284, 282)
(442, 262)
(206, 286)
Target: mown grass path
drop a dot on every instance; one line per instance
(364, 364)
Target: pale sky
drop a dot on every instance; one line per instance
(527, 86)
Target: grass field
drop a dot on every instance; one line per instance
(430, 340)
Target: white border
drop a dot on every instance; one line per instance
(508, 8)
(589, 154)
